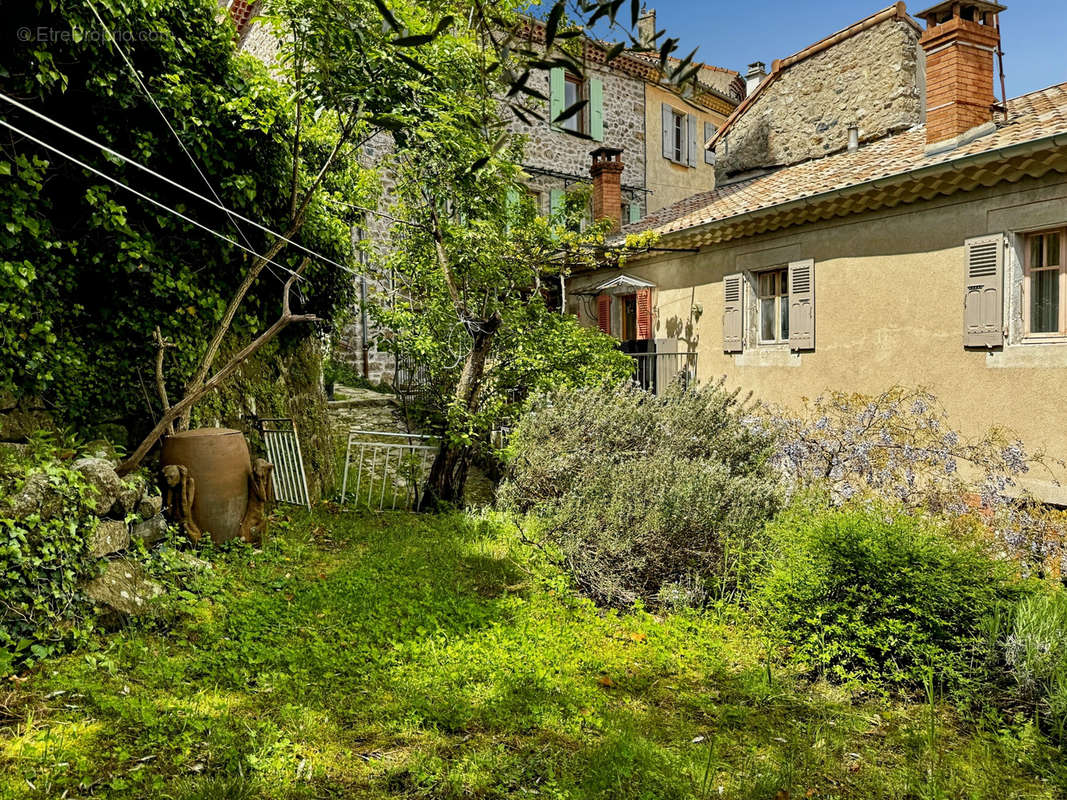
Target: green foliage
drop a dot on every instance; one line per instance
(395, 656)
(42, 561)
(871, 594)
(87, 270)
(649, 498)
(1036, 654)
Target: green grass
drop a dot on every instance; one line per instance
(381, 656)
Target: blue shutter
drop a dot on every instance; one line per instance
(709, 131)
(596, 109)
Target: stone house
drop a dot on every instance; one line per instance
(878, 218)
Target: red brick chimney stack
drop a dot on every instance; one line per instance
(960, 41)
(607, 185)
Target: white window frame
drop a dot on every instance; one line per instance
(679, 132)
(780, 295)
(1059, 335)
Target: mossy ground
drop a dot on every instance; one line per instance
(412, 656)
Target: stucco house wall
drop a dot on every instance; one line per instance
(669, 181)
(889, 290)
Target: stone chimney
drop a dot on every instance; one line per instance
(960, 41)
(607, 185)
(646, 28)
(757, 71)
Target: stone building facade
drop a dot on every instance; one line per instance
(869, 75)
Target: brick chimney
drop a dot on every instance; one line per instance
(960, 41)
(607, 185)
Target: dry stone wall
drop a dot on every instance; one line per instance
(873, 79)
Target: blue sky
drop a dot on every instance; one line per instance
(733, 34)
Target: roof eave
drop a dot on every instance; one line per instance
(1051, 142)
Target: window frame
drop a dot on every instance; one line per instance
(679, 132)
(1061, 333)
(581, 92)
(780, 295)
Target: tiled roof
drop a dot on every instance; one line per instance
(1032, 116)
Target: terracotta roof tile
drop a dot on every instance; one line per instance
(1032, 116)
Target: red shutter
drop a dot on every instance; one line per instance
(603, 312)
(644, 313)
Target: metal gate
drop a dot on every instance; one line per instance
(390, 468)
(283, 451)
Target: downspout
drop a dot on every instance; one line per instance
(363, 325)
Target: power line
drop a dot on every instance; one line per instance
(143, 196)
(173, 183)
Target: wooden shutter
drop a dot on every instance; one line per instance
(557, 95)
(634, 212)
(709, 131)
(733, 313)
(555, 202)
(596, 109)
(802, 305)
(691, 139)
(983, 308)
(667, 116)
(603, 313)
(644, 313)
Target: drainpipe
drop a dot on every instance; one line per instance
(363, 324)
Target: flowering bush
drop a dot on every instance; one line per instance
(899, 446)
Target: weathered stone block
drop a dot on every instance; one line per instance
(110, 536)
(130, 493)
(104, 483)
(151, 530)
(149, 506)
(123, 589)
(37, 496)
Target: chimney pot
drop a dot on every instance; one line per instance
(853, 137)
(757, 71)
(607, 185)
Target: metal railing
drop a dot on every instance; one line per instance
(283, 451)
(654, 372)
(411, 378)
(390, 470)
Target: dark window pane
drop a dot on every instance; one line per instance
(1045, 301)
(785, 319)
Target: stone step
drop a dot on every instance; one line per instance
(384, 401)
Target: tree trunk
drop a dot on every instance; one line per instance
(448, 474)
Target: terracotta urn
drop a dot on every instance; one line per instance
(219, 462)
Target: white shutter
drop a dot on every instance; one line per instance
(733, 315)
(983, 309)
(802, 305)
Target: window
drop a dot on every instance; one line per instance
(1045, 284)
(678, 125)
(573, 92)
(773, 292)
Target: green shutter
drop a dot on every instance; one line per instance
(555, 202)
(557, 96)
(596, 109)
(635, 212)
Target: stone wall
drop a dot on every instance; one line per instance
(562, 152)
(873, 78)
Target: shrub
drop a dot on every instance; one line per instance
(43, 557)
(873, 595)
(1036, 654)
(645, 495)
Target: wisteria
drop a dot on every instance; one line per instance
(900, 445)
